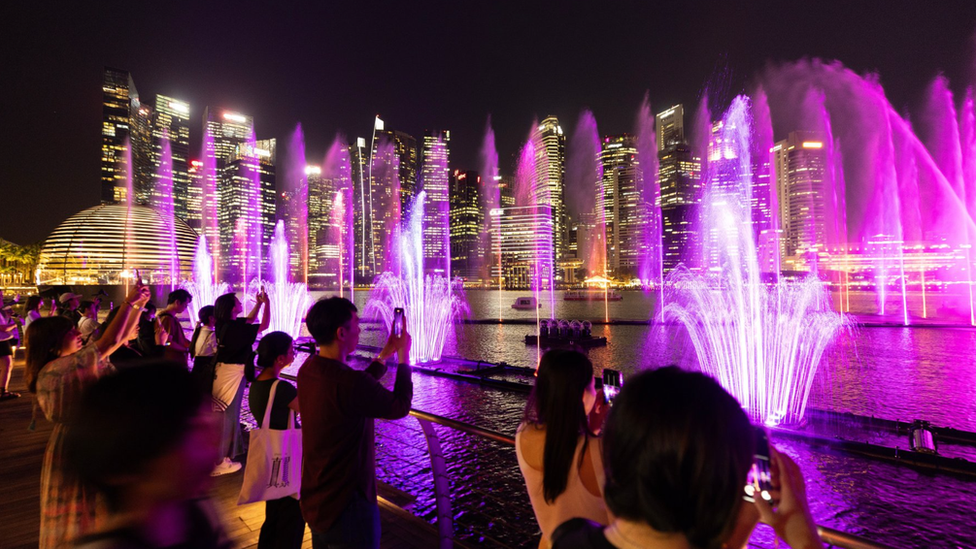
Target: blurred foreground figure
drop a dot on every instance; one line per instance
(676, 450)
(146, 439)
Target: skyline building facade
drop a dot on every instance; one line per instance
(436, 179)
(170, 121)
(679, 177)
(362, 214)
(799, 164)
(550, 188)
(246, 212)
(392, 186)
(625, 212)
(517, 232)
(467, 225)
(125, 123)
(669, 125)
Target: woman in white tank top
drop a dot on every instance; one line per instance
(558, 454)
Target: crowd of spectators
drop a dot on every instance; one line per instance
(666, 465)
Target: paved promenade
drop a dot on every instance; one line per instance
(21, 452)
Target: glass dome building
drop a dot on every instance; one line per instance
(104, 245)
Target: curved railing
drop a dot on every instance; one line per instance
(442, 490)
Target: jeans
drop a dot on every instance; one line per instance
(283, 526)
(358, 527)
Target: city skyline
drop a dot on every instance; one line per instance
(282, 85)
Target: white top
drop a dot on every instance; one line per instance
(31, 317)
(206, 343)
(86, 326)
(575, 501)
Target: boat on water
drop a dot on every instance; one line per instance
(592, 295)
(525, 304)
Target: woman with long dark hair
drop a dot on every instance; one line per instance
(203, 347)
(59, 369)
(235, 362)
(558, 454)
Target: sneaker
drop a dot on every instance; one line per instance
(225, 467)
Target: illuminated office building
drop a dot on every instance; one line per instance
(625, 212)
(799, 169)
(362, 236)
(392, 186)
(247, 209)
(171, 119)
(679, 177)
(669, 125)
(550, 172)
(194, 196)
(125, 136)
(467, 217)
(519, 228)
(435, 176)
(228, 129)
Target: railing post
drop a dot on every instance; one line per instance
(442, 485)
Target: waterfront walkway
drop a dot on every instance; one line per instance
(21, 452)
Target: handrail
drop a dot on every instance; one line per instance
(445, 518)
(830, 536)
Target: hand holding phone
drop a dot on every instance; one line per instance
(759, 480)
(612, 381)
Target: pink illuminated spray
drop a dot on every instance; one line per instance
(430, 302)
(492, 206)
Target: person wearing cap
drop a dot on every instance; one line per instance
(68, 306)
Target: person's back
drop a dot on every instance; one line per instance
(339, 404)
(582, 496)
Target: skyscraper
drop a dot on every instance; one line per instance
(550, 172)
(228, 130)
(363, 236)
(435, 177)
(799, 164)
(679, 176)
(625, 213)
(247, 209)
(194, 196)
(125, 134)
(392, 186)
(467, 218)
(171, 119)
(516, 230)
(670, 127)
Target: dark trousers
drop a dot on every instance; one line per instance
(358, 527)
(283, 526)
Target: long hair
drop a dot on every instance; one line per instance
(205, 314)
(556, 402)
(224, 310)
(32, 303)
(44, 339)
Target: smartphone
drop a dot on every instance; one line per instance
(398, 321)
(612, 381)
(760, 477)
(138, 277)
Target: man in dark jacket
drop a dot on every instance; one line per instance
(339, 404)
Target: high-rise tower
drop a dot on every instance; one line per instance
(670, 127)
(435, 178)
(625, 212)
(550, 172)
(125, 136)
(171, 119)
(799, 164)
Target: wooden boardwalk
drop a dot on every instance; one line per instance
(21, 452)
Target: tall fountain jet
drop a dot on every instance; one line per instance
(430, 302)
(762, 342)
(203, 287)
(289, 300)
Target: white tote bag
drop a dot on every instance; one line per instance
(274, 460)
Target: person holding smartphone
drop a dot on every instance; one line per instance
(677, 451)
(235, 363)
(339, 405)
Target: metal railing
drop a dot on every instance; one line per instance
(442, 490)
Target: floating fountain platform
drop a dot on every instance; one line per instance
(561, 342)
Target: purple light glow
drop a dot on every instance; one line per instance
(289, 300)
(762, 342)
(430, 302)
(204, 288)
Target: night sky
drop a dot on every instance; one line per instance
(333, 65)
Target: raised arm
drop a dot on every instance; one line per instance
(266, 315)
(120, 326)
